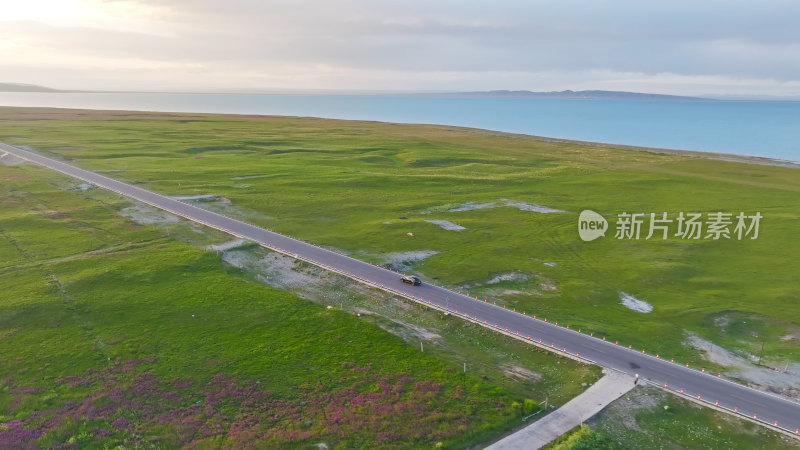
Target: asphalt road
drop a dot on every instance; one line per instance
(652, 368)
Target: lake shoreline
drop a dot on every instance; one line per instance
(720, 156)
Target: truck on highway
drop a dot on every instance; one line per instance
(412, 280)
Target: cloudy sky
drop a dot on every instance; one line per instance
(692, 47)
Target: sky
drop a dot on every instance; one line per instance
(697, 47)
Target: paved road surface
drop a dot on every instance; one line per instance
(612, 386)
(765, 407)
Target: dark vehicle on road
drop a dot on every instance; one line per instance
(412, 280)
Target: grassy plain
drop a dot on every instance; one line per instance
(583, 438)
(113, 333)
(362, 187)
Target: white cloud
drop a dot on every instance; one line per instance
(680, 47)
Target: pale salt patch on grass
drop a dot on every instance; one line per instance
(82, 187)
(146, 215)
(634, 303)
(508, 276)
(404, 261)
(513, 292)
(190, 198)
(524, 206)
(227, 245)
(548, 287)
(784, 379)
(471, 206)
(446, 224)
(413, 256)
(276, 270)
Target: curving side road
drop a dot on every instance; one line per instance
(768, 409)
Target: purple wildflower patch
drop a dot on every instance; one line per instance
(123, 406)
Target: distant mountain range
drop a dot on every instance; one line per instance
(22, 87)
(568, 94)
(583, 95)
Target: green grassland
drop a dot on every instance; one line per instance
(665, 421)
(517, 367)
(362, 187)
(113, 333)
(583, 438)
(121, 292)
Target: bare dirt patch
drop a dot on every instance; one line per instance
(15, 176)
(54, 215)
(9, 333)
(519, 373)
(363, 311)
(420, 332)
(548, 287)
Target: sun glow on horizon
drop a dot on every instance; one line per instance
(48, 10)
(77, 12)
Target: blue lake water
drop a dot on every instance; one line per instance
(770, 129)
